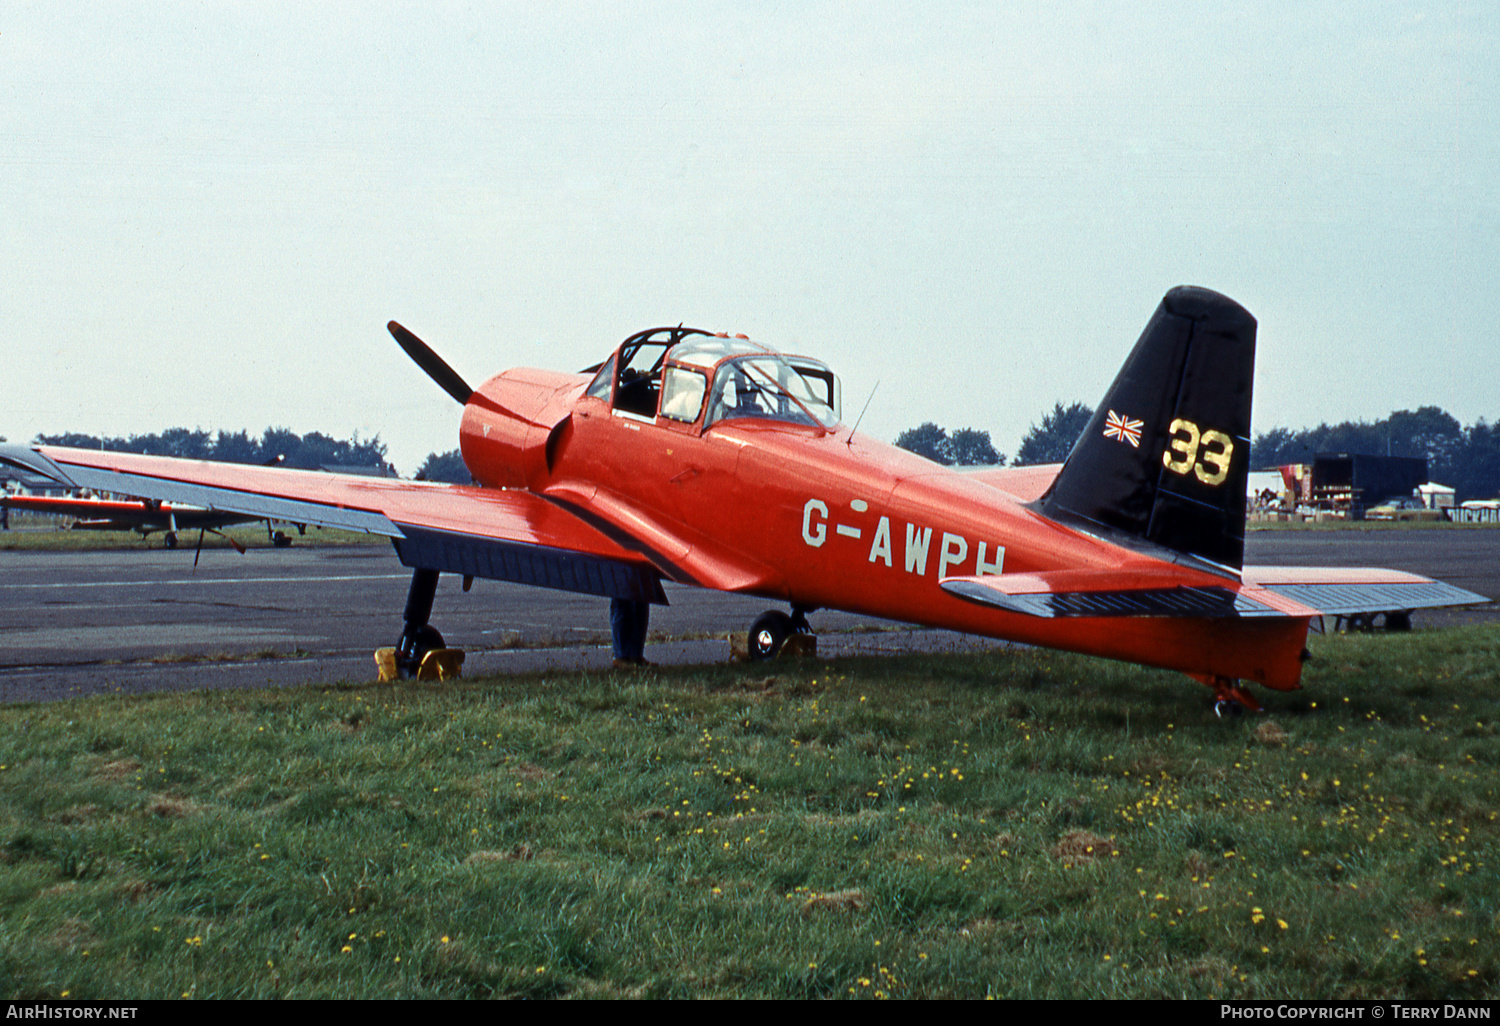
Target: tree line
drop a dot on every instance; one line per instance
(275, 445)
(1048, 441)
(1466, 459)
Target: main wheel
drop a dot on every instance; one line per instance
(768, 633)
(415, 644)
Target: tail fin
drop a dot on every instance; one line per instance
(1166, 456)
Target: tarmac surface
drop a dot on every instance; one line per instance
(142, 620)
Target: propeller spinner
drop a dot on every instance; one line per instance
(439, 371)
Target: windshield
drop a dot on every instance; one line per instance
(767, 386)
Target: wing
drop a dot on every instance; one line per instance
(1169, 591)
(481, 532)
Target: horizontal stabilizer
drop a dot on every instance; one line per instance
(1110, 593)
(1347, 592)
(1265, 592)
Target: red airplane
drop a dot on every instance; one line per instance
(715, 461)
(145, 517)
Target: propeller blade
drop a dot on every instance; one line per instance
(446, 377)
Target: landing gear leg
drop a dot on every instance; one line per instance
(419, 637)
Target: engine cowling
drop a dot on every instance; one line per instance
(507, 422)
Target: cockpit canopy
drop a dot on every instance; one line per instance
(691, 376)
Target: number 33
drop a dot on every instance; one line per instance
(1204, 453)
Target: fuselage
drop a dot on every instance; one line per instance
(824, 518)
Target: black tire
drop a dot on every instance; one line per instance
(171, 539)
(1228, 709)
(1400, 621)
(768, 633)
(413, 645)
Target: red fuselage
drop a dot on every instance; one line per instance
(826, 519)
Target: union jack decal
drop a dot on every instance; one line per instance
(1122, 429)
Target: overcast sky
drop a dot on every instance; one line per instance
(209, 211)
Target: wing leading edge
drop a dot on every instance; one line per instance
(481, 532)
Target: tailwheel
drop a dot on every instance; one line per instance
(1230, 699)
(769, 632)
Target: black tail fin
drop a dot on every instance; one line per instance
(1166, 456)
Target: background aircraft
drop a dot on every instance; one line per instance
(718, 462)
(143, 516)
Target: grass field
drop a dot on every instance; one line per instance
(1019, 824)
